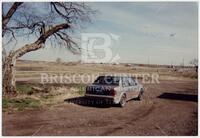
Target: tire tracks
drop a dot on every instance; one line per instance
(130, 122)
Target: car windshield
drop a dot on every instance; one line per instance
(107, 80)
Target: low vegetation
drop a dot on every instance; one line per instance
(20, 104)
(35, 96)
(24, 89)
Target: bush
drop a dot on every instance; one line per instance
(58, 60)
(24, 89)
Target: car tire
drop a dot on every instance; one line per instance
(122, 101)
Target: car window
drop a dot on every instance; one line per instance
(131, 81)
(135, 81)
(107, 80)
(125, 82)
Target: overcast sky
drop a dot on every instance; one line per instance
(158, 33)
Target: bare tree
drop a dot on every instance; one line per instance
(55, 23)
(194, 62)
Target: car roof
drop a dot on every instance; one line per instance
(119, 76)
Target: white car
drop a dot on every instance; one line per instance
(117, 89)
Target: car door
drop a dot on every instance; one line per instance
(125, 87)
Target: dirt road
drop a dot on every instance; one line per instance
(168, 108)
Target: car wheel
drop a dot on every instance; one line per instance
(122, 101)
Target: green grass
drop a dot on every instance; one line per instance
(81, 90)
(80, 87)
(20, 104)
(24, 88)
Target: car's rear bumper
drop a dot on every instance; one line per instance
(101, 98)
(98, 96)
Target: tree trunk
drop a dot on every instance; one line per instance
(9, 65)
(9, 86)
(9, 77)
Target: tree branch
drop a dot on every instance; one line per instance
(40, 42)
(51, 31)
(7, 17)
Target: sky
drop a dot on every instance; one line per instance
(147, 32)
